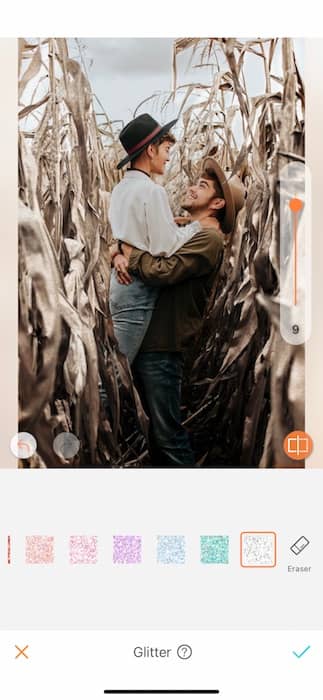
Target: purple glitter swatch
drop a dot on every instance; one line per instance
(83, 550)
(39, 550)
(126, 549)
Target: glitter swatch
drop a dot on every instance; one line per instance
(83, 550)
(171, 549)
(214, 549)
(126, 549)
(258, 549)
(39, 549)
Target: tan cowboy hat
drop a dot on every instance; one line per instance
(233, 193)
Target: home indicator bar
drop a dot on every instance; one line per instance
(162, 692)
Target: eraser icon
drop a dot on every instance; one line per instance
(299, 545)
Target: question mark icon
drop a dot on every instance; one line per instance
(184, 651)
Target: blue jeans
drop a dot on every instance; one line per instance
(131, 309)
(159, 379)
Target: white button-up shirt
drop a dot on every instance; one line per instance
(140, 215)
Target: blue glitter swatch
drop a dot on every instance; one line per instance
(171, 549)
(214, 549)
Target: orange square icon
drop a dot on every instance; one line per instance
(298, 445)
(258, 549)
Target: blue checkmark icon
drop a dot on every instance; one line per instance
(299, 656)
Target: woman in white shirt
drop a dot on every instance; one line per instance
(140, 215)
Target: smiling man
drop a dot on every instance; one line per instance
(185, 280)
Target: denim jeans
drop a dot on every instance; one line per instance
(131, 309)
(159, 379)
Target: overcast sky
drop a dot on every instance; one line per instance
(123, 72)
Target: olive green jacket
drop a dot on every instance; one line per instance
(186, 279)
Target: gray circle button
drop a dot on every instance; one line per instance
(66, 445)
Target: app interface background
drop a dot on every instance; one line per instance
(157, 591)
(283, 502)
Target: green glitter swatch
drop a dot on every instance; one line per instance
(214, 549)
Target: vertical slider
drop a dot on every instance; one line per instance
(295, 252)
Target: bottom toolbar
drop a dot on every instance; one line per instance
(91, 665)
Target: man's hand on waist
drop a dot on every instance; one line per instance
(126, 249)
(120, 253)
(121, 264)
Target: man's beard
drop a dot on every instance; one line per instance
(188, 207)
(192, 208)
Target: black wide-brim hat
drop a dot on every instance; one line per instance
(139, 133)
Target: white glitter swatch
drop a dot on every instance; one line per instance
(258, 549)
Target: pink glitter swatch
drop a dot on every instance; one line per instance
(83, 550)
(39, 550)
(126, 549)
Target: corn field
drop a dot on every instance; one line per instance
(244, 386)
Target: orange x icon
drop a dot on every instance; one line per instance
(21, 652)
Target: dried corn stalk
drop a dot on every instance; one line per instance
(66, 332)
